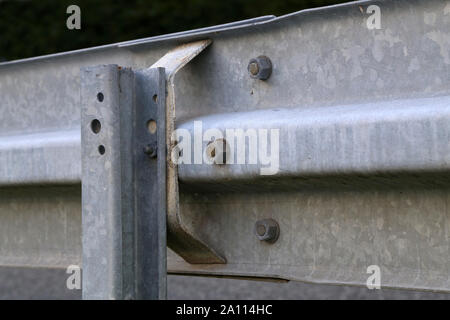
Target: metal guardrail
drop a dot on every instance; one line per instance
(363, 175)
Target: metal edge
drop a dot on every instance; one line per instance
(191, 34)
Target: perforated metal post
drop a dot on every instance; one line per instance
(123, 186)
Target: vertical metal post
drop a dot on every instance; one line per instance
(123, 183)
(150, 183)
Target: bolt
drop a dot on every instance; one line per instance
(150, 150)
(216, 151)
(253, 68)
(260, 68)
(267, 230)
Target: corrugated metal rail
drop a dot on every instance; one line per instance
(363, 120)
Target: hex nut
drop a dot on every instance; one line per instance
(260, 68)
(267, 230)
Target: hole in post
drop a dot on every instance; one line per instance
(151, 126)
(96, 126)
(155, 98)
(100, 97)
(101, 149)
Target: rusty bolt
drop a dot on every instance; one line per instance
(150, 150)
(260, 68)
(267, 230)
(216, 151)
(253, 68)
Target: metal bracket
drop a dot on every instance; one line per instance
(179, 239)
(123, 184)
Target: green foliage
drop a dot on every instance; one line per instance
(32, 28)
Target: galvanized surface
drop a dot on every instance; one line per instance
(37, 283)
(124, 194)
(149, 185)
(343, 91)
(107, 98)
(179, 239)
(356, 144)
(328, 237)
(41, 226)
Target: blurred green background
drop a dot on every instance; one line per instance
(36, 27)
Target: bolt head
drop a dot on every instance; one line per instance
(260, 68)
(150, 151)
(253, 68)
(216, 151)
(267, 230)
